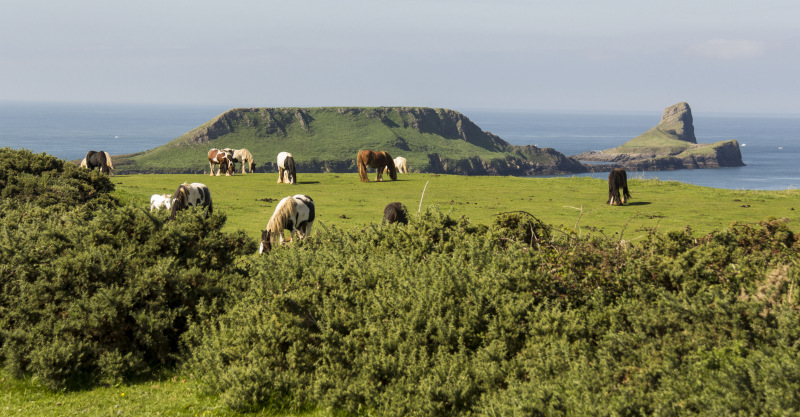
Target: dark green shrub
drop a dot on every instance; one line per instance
(442, 318)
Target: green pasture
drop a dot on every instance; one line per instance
(572, 202)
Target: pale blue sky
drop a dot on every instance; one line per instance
(720, 56)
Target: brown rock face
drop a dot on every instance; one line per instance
(677, 120)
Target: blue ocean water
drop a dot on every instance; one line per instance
(770, 144)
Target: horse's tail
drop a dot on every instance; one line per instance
(289, 162)
(109, 164)
(392, 168)
(362, 161)
(625, 194)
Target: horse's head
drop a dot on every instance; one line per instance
(266, 242)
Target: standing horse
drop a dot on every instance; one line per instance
(296, 214)
(100, 159)
(159, 201)
(395, 213)
(617, 179)
(286, 169)
(401, 164)
(194, 195)
(378, 160)
(218, 157)
(241, 156)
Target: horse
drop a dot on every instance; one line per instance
(617, 179)
(159, 201)
(194, 195)
(286, 169)
(296, 214)
(241, 156)
(395, 213)
(378, 160)
(99, 159)
(218, 157)
(401, 164)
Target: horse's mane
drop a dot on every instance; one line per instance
(286, 209)
(389, 164)
(179, 199)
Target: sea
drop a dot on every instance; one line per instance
(770, 144)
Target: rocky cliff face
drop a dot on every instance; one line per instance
(669, 145)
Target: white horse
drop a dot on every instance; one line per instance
(191, 195)
(296, 214)
(401, 164)
(241, 156)
(286, 169)
(159, 201)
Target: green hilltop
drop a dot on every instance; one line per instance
(327, 139)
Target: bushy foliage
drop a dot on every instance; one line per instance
(45, 181)
(102, 291)
(442, 318)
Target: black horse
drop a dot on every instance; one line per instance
(618, 179)
(97, 160)
(395, 213)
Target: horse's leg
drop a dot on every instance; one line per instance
(280, 175)
(380, 174)
(211, 164)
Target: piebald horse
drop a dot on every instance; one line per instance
(218, 157)
(618, 179)
(191, 195)
(286, 170)
(378, 160)
(241, 156)
(99, 159)
(296, 214)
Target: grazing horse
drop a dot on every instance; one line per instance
(159, 201)
(296, 214)
(401, 164)
(194, 195)
(241, 156)
(395, 213)
(100, 159)
(218, 157)
(618, 179)
(378, 160)
(286, 169)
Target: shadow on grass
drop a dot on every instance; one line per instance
(640, 203)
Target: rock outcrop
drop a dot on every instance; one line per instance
(669, 145)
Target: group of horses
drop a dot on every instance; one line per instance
(297, 213)
(226, 159)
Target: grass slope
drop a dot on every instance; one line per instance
(578, 202)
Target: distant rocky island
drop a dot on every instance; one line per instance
(327, 139)
(669, 145)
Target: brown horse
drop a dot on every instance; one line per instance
(218, 157)
(618, 181)
(378, 160)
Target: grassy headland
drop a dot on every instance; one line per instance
(328, 139)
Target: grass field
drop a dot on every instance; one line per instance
(574, 203)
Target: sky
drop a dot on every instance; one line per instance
(729, 56)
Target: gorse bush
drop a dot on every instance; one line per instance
(100, 292)
(443, 318)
